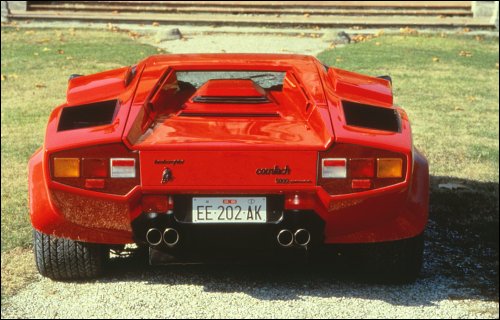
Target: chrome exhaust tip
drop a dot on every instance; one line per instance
(153, 237)
(302, 237)
(285, 238)
(170, 237)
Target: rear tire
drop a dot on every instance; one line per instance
(398, 261)
(64, 259)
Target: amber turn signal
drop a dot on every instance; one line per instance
(66, 167)
(389, 168)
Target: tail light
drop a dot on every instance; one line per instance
(66, 167)
(106, 168)
(157, 203)
(350, 168)
(122, 167)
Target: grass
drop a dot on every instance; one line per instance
(35, 68)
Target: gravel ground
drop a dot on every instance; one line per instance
(247, 291)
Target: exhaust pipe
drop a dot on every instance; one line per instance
(153, 237)
(285, 238)
(302, 237)
(170, 237)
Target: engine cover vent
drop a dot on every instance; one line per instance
(372, 117)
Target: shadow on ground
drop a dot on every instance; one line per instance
(460, 261)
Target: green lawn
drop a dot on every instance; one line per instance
(35, 68)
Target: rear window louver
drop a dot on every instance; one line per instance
(87, 115)
(229, 115)
(372, 117)
(229, 99)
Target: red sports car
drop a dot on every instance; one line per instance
(204, 156)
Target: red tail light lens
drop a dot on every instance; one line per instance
(97, 173)
(362, 168)
(356, 168)
(94, 168)
(157, 203)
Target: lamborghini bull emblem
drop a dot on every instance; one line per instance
(166, 175)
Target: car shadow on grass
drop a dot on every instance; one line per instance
(460, 261)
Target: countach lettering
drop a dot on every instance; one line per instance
(273, 171)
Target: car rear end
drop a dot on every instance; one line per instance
(234, 158)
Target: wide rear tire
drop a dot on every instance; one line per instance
(64, 259)
(398, 261)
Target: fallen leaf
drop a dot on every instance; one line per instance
(36, 53)
(465, 30)
(443, 35)
(69, 58)
(441, 16)
(4, 78)
(435, 59)
(459, 109)
(13, 76)
(155, 24)
(479, 38)
(29, 32)
(42, 40)
(464, 53)
(408, 30)
(356, 27)
(307, 15)
(359, 38)
(331, 46)
(72, 31)
(114, 12)
(40, 85)
(379, 33)
(60, 51)
(339, 59)
(45, 49)
(377, 43)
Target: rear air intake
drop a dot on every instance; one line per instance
(367, 116)
(87, 115)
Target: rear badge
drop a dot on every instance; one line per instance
(273, 171)
(166, 176)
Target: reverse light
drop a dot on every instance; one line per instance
(389, 168)
(122, 167)
(66, 167)
(334, 168)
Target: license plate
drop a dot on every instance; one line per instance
(229, 210)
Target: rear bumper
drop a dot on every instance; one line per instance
(383, 215)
